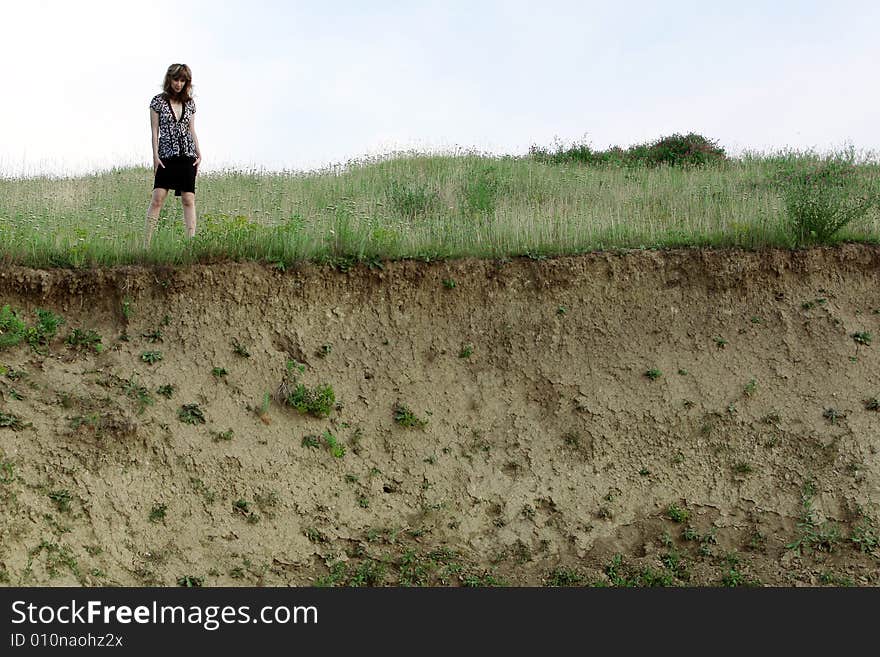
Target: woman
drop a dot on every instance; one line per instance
(176, 153)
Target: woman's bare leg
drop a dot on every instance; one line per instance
(156, 202)
(189, 212)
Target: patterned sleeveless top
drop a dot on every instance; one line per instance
(175, 138)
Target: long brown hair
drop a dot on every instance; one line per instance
(175, 72)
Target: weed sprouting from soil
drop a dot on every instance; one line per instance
(191, 414)
(406, 418)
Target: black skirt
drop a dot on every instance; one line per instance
(178, 174)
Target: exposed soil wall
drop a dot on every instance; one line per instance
(549, 454)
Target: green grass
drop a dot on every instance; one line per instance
(436, 206)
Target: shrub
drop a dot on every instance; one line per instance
(678, 150)
(821, 198)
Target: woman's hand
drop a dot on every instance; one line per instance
(197, 162)
(157, 163)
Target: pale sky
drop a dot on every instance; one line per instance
(302, 85)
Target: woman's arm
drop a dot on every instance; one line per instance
(154, 127)
(192, 131)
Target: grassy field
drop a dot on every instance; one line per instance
(415, 206)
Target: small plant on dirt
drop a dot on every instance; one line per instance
(406, 418)
(872, 404)
(139, 393)
(865, 534)
(865, 537)
(153, 336)
(157, 513)
(733, 578)
(690, 534)
(311, 441)
(7, 472)
(151, 357)
(743, 468)
(46, 328)
(294, 367)
(653, 374)
(167, 391)
(832, 579)
(89, 339)
(757, 541)
(676, 513)
(239, 349)
(127, 309)
(190, 581)
(449, 284)
(12, 374)
(481, 580)
(324, 351)
(314, 535)
(242, 507)
(11, 421)
(621, 575)
(317, 401)
(750, 388)
(355, 440)
(262, 410)
(12, 329)
(191, 414)
(56, 556)
(820, 537)
(572, 439)
(200, 487)
(363, 501)
(227, 435)
(772, 418)
(267, 501)
(833, 415)
(863, 338)
(675, 563)
(62, 499)
(561, 576)
(219, 372)
(466, 351)
(720, 342)
(337, 449)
